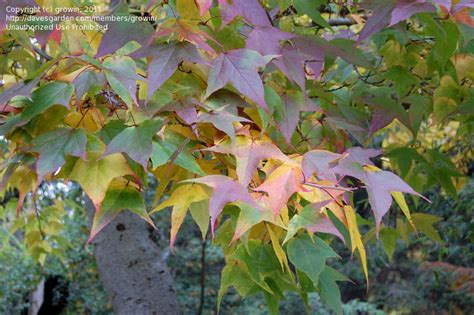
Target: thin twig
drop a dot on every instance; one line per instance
(329, 187)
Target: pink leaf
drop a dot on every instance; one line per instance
(225, 190)
(204, 6)
(248, 154)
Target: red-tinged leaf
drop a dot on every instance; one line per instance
(204, 6)
(55, 145)
(250, 10)
(248, 154)
(379, 19)
(225, 190)
(119, 197)
(319, 162)
(280, 186)
(404, 9)
(222, 120)
(239, 67)
(165, 61)
(17, 89)
(135, 141)
(379, 185)
(293, 103)
(266, 40)
(120, 33)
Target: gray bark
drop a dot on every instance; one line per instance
(132, 269)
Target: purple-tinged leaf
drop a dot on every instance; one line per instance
(353, 161)
(165, 61)
(20, 88)
(120, 33)
(250, 10)
(379, 19)
(312, 219)
(293, 104)
(85, 81)
(266, 40)
(239, 67)
(379, 185)
(319, 162)
(404, 9)
(225, 190)
(292, 64)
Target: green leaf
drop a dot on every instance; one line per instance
(260, 260)
(135, 141)
(94, 176)
(309, 257)
(174, 148)
(118, 198)
(310, 8)
(55, 145)
(389, 237)
(424, 223)
(122, 76)
(53, 93)
(200, 213)
(329, 290)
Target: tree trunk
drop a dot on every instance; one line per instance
(132, 268)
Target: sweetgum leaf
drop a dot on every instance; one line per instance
(135, 141)
(53, 93)
(120, 33)
(222, 120)
(250, 10)
(310, 257)
(266, 40)
(55, 145)
(118, 198)
(225, 190)
(248, 154)
(181, 199)
(165, 61)
(329, 290)
(239, 67)
(94, 176)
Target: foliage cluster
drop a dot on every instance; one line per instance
(257, 118)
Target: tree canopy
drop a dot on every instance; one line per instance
(261, 119)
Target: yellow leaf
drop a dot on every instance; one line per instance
(181, 198)
(280, 253)
(356, 239)
(94, 176)
(400, 199)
